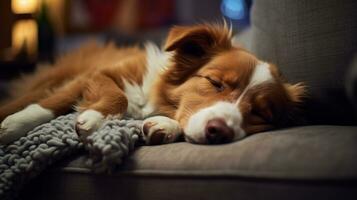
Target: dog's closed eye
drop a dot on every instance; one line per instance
(218, 85)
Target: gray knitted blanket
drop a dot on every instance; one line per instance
(50, 142)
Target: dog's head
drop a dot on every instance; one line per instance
(223, 93)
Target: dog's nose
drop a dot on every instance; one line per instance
(217, 131)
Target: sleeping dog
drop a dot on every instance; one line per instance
(198, 86)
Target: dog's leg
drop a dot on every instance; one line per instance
(59, 102)
(32, 88)
(20, 103)
(161, 130)
(103, 98)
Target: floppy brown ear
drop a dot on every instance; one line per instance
(193, 47)
(197, 40)
(296, 92)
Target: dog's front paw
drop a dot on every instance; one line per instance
(88, 122)
(160, 130)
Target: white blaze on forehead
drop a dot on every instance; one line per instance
(261, 74)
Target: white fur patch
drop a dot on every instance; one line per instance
(260, 75)
(136, 100)
(157, 62)
(17, 125)
(196, 125)
(89, 121)
(139, 106)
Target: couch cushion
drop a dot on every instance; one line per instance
(313, 42)
(310, 152)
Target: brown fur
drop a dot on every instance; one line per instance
(185, 88)
(205, 69)
(89, 77)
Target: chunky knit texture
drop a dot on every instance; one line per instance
(30, 155)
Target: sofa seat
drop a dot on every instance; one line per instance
(257, 165)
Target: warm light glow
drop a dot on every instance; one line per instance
(24, 6)
(24, 35)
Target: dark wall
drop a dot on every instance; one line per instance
(6, 19)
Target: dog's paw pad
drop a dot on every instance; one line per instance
(87, 122)
(160, 130)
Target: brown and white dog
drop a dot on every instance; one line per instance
(200, 86)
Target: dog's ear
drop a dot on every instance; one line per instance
(193, 46)
(199, 40)
(296, 92)
(297, 95)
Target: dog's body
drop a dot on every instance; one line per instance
(201, 86)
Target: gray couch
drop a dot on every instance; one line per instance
(311, 41)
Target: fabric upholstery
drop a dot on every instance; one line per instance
(310, 41)
(310, 152)
(312, 162)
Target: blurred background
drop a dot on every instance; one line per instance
(35, 31)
